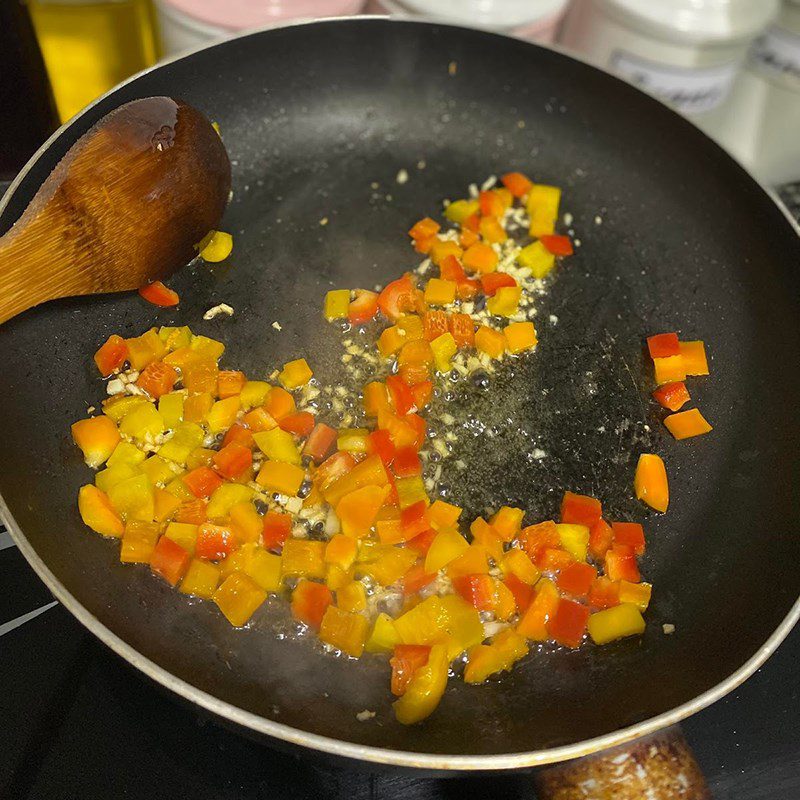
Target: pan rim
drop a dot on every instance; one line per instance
(351, 750)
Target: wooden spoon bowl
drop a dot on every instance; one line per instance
(126, 205)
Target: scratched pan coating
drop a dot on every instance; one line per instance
(312, 116)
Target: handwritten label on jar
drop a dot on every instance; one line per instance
(777, 54)
(691, 90)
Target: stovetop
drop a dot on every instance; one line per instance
(77, 723)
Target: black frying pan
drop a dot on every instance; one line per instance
(312, 116)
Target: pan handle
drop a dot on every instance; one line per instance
(657, 767)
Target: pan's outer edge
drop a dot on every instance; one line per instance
(326, 744)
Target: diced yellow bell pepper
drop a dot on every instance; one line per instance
(237, 560)
(520, 336)
(352, 440)
(207, 348)
(459, 210)
(507, 522)
(295, 373)
(143, 423)
(490, 341)
(615, 623)
(368, 551)
(170, 406)
(447, 619)
(223, 414)
(411, 490)
(180, 490)
(173, 338)
(201, 579)
(303, 558)
(138, 542)
(542, 206)
(412, 326)
(158, 470)
(518, 563)
(439, 292)
(337, 302)
(338, 577)
(443, 515)
(352, 597)
(225, 497)
(254, 393)
(505, 301)
(133, 498)
(574, 539)
(369, 472)
(184, 534)
(165, 504)
(278, 476)
(344, 631)
(383, 637)
(636, 593)
(248, 522)
(215, 246)
(238, 598)
(390, 565)
(390, 341)
(447, 545)
(537, 258)
(441, 248)
(341, 550)
(264, 568)
(357, 509)
(444, 347)
(278, 445)
(197, 406)
(111, 476)
(473, 561)
(184, 440)
(97, 438)
(200, 457)
(506, 649)
(98, 513)
(144, 349)
(126, 453)
(120, 405)
(425, 690)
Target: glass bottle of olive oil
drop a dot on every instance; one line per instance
(91, 45)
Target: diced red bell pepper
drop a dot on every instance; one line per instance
(631, 534)
(672, 395)
(232, 460)
(159, 295)
(214, 542)
(300, 423)
(579, 509)
(310, 600)
(492, 281)
(601, 537)
(537, 538)
(398, 298)
(414, 520)
(663, 345)
(569, 623)
(435, 324)
(523, 593)
(405, 661)
(518, 184)
(157, 378)
(380, 443)
(169, 560)
(477, 590)
(415, 579)
(422, 543)
(277, 528)
(333, 468)
(620, 564)
(491, 205)
(450, 269)
(202, 482)
(407, 463)
(462, 326)
(557, 245)
(422, 392)
(111, 355)
(401, 395)
(319, 442)
(604, 593)
(363, 307)
(576, 579)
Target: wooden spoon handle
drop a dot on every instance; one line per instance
(657, 767)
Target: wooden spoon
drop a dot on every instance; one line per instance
(125, 205)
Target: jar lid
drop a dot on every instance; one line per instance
(236, 15)
(487, 13)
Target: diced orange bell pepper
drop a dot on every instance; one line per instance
(491, 205)
(493, 281)
(486, 536)
(480, 258)
(197, 406)
(439, 292)
(537, 538)
(686, 424)
(200, 377)
(259, 420)
(279, 403)
(669, 370)
(333, 468)
(294, 374)
(310, 601)
(159, 295)
(319, 442)
(507, 522)
(442, 248)
(233, 460)
(97, 438)
(97, 512)
(239, 434)
(620, 564)
(603, 593)
(663, 345)
(276, 530)
(341, 550)
(636, 593)
(506, 649)
(300, 423)
(650, 482)
(144, 349)
(111, 355)
(490, 341)
(405, 661)
(165, 505)
(230, 382)
(533, 624)
(601, 538)
(169, 560)
(694, 358)
(580, 509)
(424, 228)
(426, 688)
(202, 482)
(344, 631)
(238, 598)
(214, 542)
(278, 476)
(462, 327)
(516, 562)
(357, 509)
(369, 472)
(390, 566)
(520, 336)
(631, 534)
(192, 512)
(435, 324)
(521, 591)
(569, 623)
(492, 231)
(518, 184)
(672, 395)
(443, 515)
(576, 579)
(138, 542)
(486, 593)
(472, 561)
(376, 398)
(422, 391)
